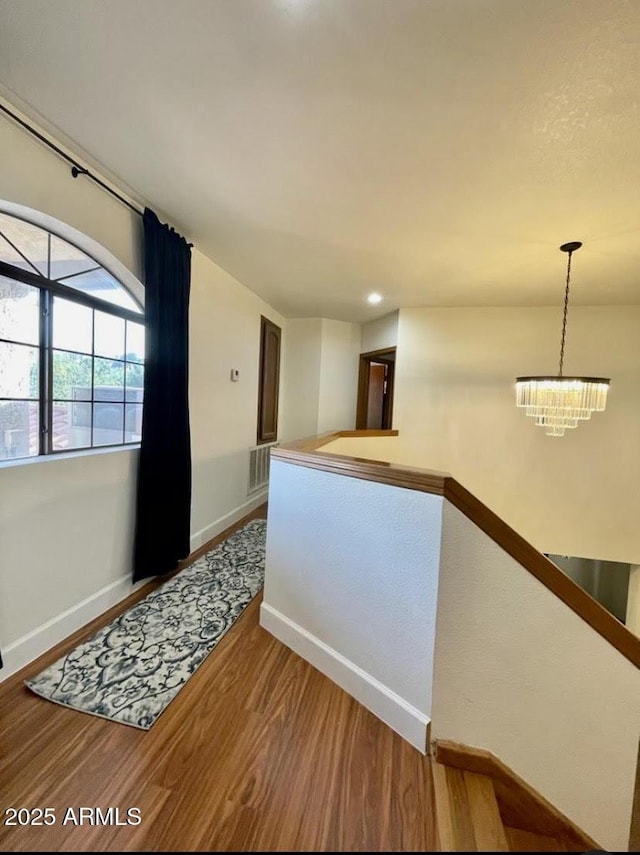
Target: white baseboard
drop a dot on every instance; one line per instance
(46, 636)
(393, 710)
(27, 648)
(214, 529)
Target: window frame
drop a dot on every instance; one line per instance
(48, 289)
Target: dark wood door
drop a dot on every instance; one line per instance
(375, 390)
(269, 382)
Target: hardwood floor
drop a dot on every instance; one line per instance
(258, 751)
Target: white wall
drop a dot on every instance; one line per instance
(519, 673)
(66, 524)
(352, 587)
(455, 410)
(339, 362)
(381, 333)
(66, 537)
(301, 378)
(321, 376)
(224, 333)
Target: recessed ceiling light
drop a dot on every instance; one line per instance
(374, 298)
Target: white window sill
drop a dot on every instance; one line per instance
(66, 455)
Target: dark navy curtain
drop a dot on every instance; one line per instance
(163, 506)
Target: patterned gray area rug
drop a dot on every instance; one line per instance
(131, 669)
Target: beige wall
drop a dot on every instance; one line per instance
(301, 378)
(338, 375)
(381, 333)
(66, 524)
(224, 334)
(66, 536)
(455, 410)
(321, 376)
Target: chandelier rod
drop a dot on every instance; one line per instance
(564, 317)
(569, 248)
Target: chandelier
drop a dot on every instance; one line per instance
(560, 403)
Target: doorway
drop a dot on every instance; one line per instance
(375, 389)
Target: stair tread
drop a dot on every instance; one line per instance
(453, 813)
(527, 841)
(444, 819)
(487, 824)
(469, 819)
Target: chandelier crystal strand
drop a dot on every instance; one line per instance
(560, 403)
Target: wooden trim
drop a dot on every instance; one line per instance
(387, 408)
(263, 436)
(545, 571)
(488, 828)
(444, 817)
(375, 354)
(367, 470)
(363, 393)
(363, 383)
(307, 453)
(366, 433)
(520, 805)
(311, 443)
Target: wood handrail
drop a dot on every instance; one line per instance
(310, 443)
(306, 453)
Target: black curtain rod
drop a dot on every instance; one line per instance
(76, 168)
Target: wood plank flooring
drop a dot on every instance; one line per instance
(258, 752)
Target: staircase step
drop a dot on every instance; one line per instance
(526, 841)
(487, 824)
(467, 815)
(520, 806)
(453, 820)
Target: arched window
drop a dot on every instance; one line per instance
(71, 347)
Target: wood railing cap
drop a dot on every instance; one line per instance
(310, 443)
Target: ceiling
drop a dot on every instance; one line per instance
(435, 151)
